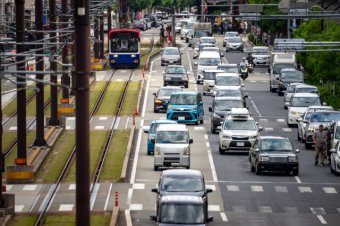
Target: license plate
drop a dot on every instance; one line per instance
(181, 118)
(240, 144)
(171, 61)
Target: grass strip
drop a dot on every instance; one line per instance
(94, 94)
(48, 109)
(144, 58)
(30, 109)
(131, 98)
(7, 138)
(111, 98)
(97, 139)
(114, 160)
(56, 160)
(11, 107)
(22, 220)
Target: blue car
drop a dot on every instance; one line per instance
(151, 130)
(186, 107)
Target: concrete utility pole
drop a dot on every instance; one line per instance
(82, 72)
(101, 33)
(39, 27)
(65, 78)
(54, 78)
(1, 151)
(21, 84)
(109, 26)
(96, 47)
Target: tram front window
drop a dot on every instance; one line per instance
(124, 45)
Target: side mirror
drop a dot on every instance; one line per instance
(297, 150)
(146, 129)
(242, 85)
(332, 150)
(222, 55)
(210, 219)
(210, 109)
(324, 104)
(153, 140)
(191, 141)
(278, 79)
(219, 128)
(195, 63)
(245, 96)
(208, 190)
(256, 150)
(155, 190)
(153, 218)
(260, 128)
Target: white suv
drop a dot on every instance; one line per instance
(172, 146)
(239, 131)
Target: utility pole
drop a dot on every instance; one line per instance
(39, 27)
(82, 72)
(96, 47)
(2, 159)
(21, 84)
(101, 33)
(54, 78)
(109, 26)
(65, 78)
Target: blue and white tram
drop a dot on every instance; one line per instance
(124, 48)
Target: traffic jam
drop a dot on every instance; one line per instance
(200, 98)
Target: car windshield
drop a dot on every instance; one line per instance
(183, 100)
(154, 126)
(224, 105)
(207, 40)
(276, 145)
(227, 81)
(231, 34)
(307, 116)
(198, 34)
(171, 52)
(292, 75)
(211, 49)
(209, 75)
(209, 61)
(166, 92)
(337, 133)
(278, 67)
(202, 46)
(260, 52)
(305, 101)
(240, 125)
(228, 69)
(325, 117)
(306, 90)
(229, 93)
(181, 184)
(172, 137)
(175, 70)
(182, 213)
(290, 89)
(234, 40)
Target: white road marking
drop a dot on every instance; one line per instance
(280, 120)
(68, 127)
(107, 198)
(119, 80)
(233, 188)
(305, 189)
(128, 218)
(8, 187)
(19, 208)
(321, 219)
(122, 71)
(127, 122)
(138, 186)
(263, 120)
(13, 128)
(102, 118)
(117, 123)
(269, 129)
(256, 188)
(99, 127)
(297, 179)
(66, 207)
(211, 186)
(190, 66)
(129, 196)
(207, 144)
(113, 120)
(214, 208)
(329, 190)
(206, 137)
(72, 187)
(198, 128)
(338, 209)
(29, 187)
(224, 217)
(287, 129)
(94, 195)
(212, 166)
(281, 189)
(136, 207)
(253, 81)
(255, 108)
(265, 209)
(317, 210)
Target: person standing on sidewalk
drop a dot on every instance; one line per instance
(320, 140)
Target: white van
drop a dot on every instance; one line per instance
(208, 60)
(279, 61)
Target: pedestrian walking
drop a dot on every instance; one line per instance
(320, 140)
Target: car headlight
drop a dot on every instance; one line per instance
(217, 116)
(292, 159)
(253, 137)
(294, 113)
(226, 137)
(311, 130)
(186, 151)
(185, 78)
(157, 151)
(264, 158)
(170, 108)
(158, 101)
(167, 78)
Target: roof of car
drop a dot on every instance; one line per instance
(295, 84)
(182, 172)
(273, 137)
(186, 92)
(172, 127)
(227, 65)
(181, 199)
(289, 69)
(228, 98)
(175, 66)
(211, 47)
(260, 47)
(239, 111)
(171, 48)
(319, 107)
(303, 85)
(207, 37)
(165, 121)
(305, 95)
(227, 74)
(229, 88)
(171, 87)
(209, 54)
(214, 70)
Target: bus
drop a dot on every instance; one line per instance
(124, 48)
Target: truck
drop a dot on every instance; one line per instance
(199, 30)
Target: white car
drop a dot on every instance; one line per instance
(227, 35)
(289, 92)
(299, 88)
(178, 28)
(209, 77)
(211, 40)
(213, 49)
(199, 47)
(238, 132)
(224, 80)
(234, 43)
(298, 104)
(261, 55)
(185, 30)
(335, 159)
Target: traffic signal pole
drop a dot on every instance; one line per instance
(82, 74)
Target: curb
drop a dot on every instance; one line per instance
(114, 216)
(127, 154)
(147, 64)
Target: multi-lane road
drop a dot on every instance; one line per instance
(240, 197)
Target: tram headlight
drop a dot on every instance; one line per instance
(133, 55)
(116, 55)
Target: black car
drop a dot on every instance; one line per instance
(287, 76)
(162, 97)
(273, 153)
(221, 106)
(182, 182)
(176, 75)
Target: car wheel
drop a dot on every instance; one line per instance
(201, 121)
(212, 129)
(155, 110)
(279, 93)
(150, 153)
(252, 168)
(332, 170)
(187, 167)
(296, 172)
(186, 85)
(204, 94)
(222, 151)
(223, 45)
(307, 146)
(270, 87)
(257, 169)
(196, 123)
(298, 136)
(226, 50)
(198, 82)
(155, 168)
